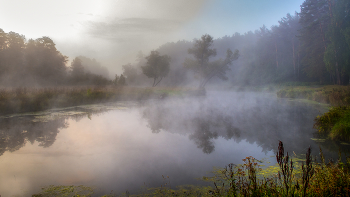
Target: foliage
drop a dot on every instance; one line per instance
(335, 123)
(334, 95)
(314, 20)
(337, 54)
(44, 63)
(308, 179)
(92, 66)
(33, 62)
(38, 63)
(201, 65)
(157, 67)
(78, 76)
(310, 46)
(288, 178)
(130, 72)
(121, 80)
(77, 67)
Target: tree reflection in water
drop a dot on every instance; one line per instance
(263, 120)
(15, 132)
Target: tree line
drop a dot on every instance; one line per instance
(38, 62)
(310, 46)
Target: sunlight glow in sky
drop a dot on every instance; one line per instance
(113, 31)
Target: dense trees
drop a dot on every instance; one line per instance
(30, 63)
(310, 46)
(323, 37)
(93, 66)
(77, 68)
(78, 75)
(130, 72)
(337, 52)
(38, 63)
(44, 63)
(157, 67)
(314, 22)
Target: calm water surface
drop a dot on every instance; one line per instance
(124, 146)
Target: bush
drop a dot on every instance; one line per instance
(335, 123)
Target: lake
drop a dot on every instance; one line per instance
(128, 145)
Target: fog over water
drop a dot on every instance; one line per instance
(132, 144)
(176, 88)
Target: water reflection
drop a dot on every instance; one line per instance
(256, 118)
(16, 132)
(123, 149)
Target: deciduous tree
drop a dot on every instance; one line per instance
(201, 65)
(157, 67)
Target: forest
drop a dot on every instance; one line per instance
(312, 46)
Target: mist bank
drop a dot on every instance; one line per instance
(303, 48)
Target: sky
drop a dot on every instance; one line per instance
(114, 31)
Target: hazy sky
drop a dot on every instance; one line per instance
(113, 31)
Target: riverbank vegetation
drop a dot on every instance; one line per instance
(331, 94)
(291, 176)
(303, 47)
(17, 100)
(335, 123)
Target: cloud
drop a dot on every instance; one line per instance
(131, 28)
(126, 20)
(124, 27)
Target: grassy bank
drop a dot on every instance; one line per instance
(332, 94)
(18, 100)
(335, 123)
(289, 177)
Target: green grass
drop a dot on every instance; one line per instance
(331, 94)
(335, 123)
(291, 176)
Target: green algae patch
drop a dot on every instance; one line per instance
(65, 191)
(58, 113)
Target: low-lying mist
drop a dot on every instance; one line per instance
(255, 117)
